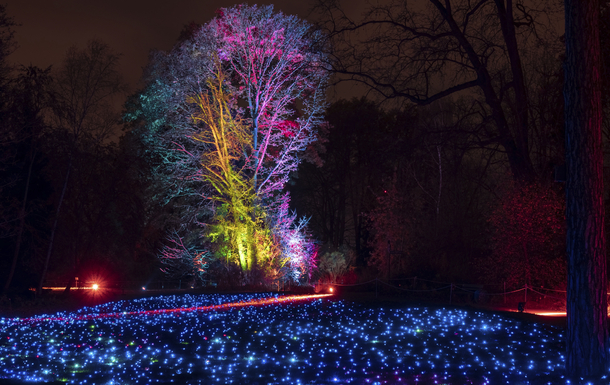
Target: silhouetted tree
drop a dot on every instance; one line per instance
(359, 147)
(85, 88)
(29, 99)
(8, 134)
(23, 96)
(421, 53)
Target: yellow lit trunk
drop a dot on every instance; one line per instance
(242, 248)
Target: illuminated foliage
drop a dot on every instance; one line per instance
(298, 248)
(528, 237)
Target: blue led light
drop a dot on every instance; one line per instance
(316, 341)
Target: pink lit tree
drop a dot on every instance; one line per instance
(275, 63)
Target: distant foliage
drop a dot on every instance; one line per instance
(528, 238)
(391, 224)
(335, 264)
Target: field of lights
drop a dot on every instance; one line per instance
(267, 339)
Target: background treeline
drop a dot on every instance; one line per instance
(398, 185)
(69, 188)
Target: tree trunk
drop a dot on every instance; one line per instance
(587, 334)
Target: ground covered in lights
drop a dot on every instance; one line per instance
(227, 339)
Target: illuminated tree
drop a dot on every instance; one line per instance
(272, 62)
(275, 63)
(299, 250)
(268, 62)
(237, 220)
(335, 264)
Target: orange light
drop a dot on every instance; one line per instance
(95, 286)
(551, 313)
(331, 290)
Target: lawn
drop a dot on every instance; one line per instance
(204, 339)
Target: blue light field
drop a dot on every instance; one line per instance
(313, 341)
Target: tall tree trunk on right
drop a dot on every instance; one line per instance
(587, 334)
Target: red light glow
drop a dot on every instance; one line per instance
(95, 286)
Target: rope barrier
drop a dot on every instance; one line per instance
(559, 291)
(508, 292)
(354, 284)
(546, 295)
(414, 290)
(390, 285)
(463, 287)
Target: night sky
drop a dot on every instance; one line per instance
(130, 27)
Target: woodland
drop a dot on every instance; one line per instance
(445, 176)
(236, 164)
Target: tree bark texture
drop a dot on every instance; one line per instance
(587, 334)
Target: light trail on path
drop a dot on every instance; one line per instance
(223, 306)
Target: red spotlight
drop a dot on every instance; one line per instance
(95, 286)
(330, 290)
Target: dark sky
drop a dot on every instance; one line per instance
(130, 27)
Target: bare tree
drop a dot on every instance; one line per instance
(420, 53)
